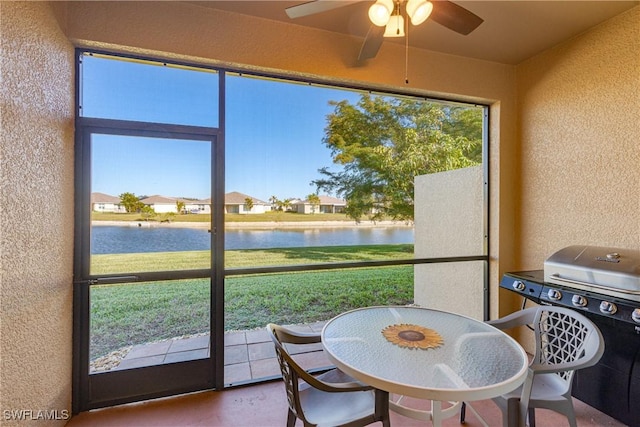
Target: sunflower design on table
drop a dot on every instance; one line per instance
(412, 336)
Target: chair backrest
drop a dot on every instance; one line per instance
(565, 340)
(351, 403)
(291, 371)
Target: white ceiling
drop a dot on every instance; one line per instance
(512, 30)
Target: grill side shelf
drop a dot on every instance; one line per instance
(526, 283)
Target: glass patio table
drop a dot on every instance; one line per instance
(425, 354)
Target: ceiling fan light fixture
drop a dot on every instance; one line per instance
(395, 27)
(419, 10)
(380, 12)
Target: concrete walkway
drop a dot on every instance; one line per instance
(248, 355)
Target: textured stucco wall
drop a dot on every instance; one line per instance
(580, 141)
(208, 35)
(450, 224)
(575, 178)
(36, 214)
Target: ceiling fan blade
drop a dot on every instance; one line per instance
(455, 17)
(372, 43)
(316, 6)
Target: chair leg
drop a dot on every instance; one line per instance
(463, 410)
(532, 417)
(570, 412)
(382, 407)
(291, 419)
(572, 421)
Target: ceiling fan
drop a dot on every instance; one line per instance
(388, 20)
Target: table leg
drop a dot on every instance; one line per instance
(436, 413)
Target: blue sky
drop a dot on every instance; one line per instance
(274, 131)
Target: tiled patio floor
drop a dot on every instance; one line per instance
(248, 355)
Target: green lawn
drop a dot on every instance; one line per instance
(128, 314)
(163, 261)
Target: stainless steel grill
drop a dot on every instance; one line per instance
(604, 284)
(609, 271)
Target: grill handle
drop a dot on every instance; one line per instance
(589, 286)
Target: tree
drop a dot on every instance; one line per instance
(275, 203)
(314, 199)
(131, 202)
(180, 206)
(169, 216)
(284, 205)
(248, 203)
(466, 123)
(382, 143)
(147, 212)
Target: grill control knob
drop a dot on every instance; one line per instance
(554, 295)
(579, 301)
(519, 286)
(636, 315)
(607, 307)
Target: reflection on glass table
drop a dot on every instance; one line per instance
(425, 354)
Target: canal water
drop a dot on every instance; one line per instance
(125, 239)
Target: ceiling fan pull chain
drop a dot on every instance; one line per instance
(406, 54)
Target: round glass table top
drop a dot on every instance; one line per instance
(425, 353)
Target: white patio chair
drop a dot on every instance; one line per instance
(565, 342)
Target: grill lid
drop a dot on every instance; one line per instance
(612, 271)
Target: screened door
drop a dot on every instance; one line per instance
(148, 271)
(146, 263)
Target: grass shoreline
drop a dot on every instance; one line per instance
(268, 219)
(246, 258)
